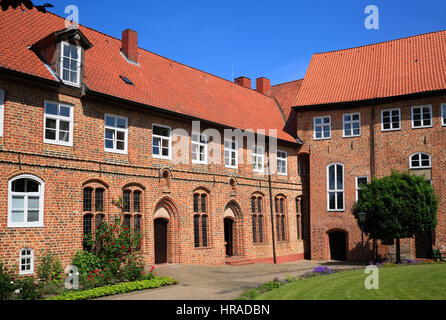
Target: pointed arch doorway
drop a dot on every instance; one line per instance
(233, 222)
(165, 233)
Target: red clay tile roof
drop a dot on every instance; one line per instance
(285, 94)
(159, 82)
(394, 68)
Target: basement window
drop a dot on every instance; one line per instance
(127, 80)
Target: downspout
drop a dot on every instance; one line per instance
(271, 207)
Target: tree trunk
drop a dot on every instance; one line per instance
(398, 251)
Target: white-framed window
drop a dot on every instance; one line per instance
(26, 261)
(282, 163)
(258, 159)
(115, 134)
(2, 110)
(335, 187)
(231, 153)
(322, 128)
(58, 127)
(25, 202)
(361, 182)
(420, 161)
(443, 114)
(391, 119)
(161, 141)
(70, 64)
(351, 123)
(199, 148)
(422, 116)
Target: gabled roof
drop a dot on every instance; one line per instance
(158, 82)
(285, 94)
(393, 68)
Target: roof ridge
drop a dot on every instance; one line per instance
(382, 42)
(168, 59)
(280, 84)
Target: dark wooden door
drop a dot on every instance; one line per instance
(338, 245)
(160, 241)
(423, 245)
(228, 236)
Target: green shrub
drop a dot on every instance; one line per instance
(49, 269)
(86, 261)
(115, 289)
(29, 289)
(7, 286)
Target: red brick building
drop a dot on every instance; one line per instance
(360, 113)
(86, 119)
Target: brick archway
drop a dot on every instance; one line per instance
(166, 211)
(234, 213)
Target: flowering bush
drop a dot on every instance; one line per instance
(322, 270)
(7, 286)
(29, 289)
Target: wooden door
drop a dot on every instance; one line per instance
(160, 241)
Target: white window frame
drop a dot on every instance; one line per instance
(336, 190)
(79, 61)
(322, 125)
(26, 195)
(351, 122)
(357, 187)
(391, 122)
(169, 139)
(422, 117)
(443, 114)
(31, 262)
(116, 129)
(2, 111)
(285, 162)
(419, 159)
(232, 151)
(58, 118)
(200, 145)
(258, 159)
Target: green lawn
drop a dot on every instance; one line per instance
(420, 282)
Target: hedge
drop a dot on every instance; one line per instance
(115, 289)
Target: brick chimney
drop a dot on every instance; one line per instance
(130, 45)
(263, 85)
(243, 81)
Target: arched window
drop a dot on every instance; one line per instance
(280, 208)
(420, 161)
(26, 261)
(93, 208)
(131, 206)
(200, 205)
(335, 187)
(25, 194)
(257, 218)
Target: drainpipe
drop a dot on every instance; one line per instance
(271, 208)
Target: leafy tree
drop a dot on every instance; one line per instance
(398, 206)
(5, 4)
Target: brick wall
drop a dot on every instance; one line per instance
(392, 151)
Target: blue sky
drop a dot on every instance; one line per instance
(274, 39)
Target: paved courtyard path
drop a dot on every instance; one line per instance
(221, 282)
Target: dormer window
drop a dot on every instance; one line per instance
(70, 64)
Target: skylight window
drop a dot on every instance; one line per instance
(127, 80)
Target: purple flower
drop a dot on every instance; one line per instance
(323, 270)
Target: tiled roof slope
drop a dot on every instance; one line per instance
(285, 94)
(394, 68)
(159, 82)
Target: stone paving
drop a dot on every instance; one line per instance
(223, 282)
